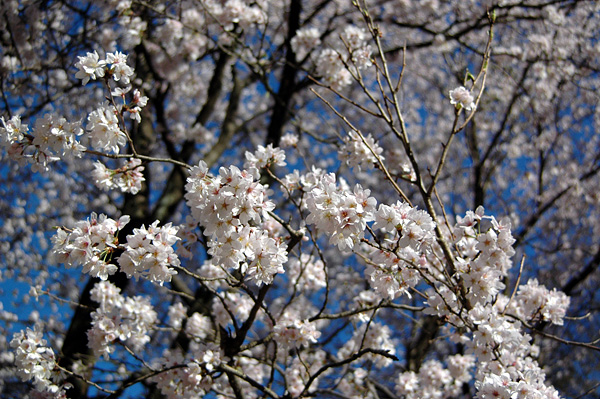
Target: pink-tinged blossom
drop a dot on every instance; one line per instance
(231, 206)
(332, 70)
(307, 273)
(126, 319)
(340, 214)
(35, 360)
(355, 40)
(265, 157)
(304, 42)
(533, 299)
(127, 179)
(238, 305)
(51, 139)
(135, 108)
(104, 131)
(462, 98)
(230, 12)
(90, 67)
(187, 378)
(408, 384)
(177, 312)
(149, 253)
(289, 140)
(301, 370)
(119, 70)
(90, 244)
(360, 153)
(378, 336)
(198, 326)
(297, 334)
(266, 257)
(13, 130)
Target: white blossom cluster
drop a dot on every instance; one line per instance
(373, 336)
(355, 40)
(410, 234)
(338, 212)
(297, 334)
(230, 12)
(52, 138)
(149, 253)
(90, 243)
(306, 273)
(134, 108)
(536, 301)
(435, 381)
(198, 326)
(486, 255)
(331, 68)
(187, 379)
(304, 42)
(359, 153)
(264, 157)
(462, 98)
(177, 313)
(298, 373)
(231, 304)
(506, 367)
(333, 63)
(289, 140)
(36, 361)
(91, 66)
(127, 178)
(231, 207)
(103, 129)
(126, 319)
(505, 356)
(306, 182)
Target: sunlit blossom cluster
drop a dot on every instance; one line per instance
(374, 336)
(331, 68)
(506, 365)
(360, 151)
(104, 130)
(187, 378)
(90, 243)
(396, 269)
(121, 318)
(462, 98)
(297, 334)
(433, 380)
(340, 213)
(230, 12)
(312, 290)
(92, 67)
(127, 178)
(51, 139)
(36, 361)
(149, 253)
(231, 206)
(304, 42)
(534, 301)
(134, 108)
(264, 157)
(298, 373)
(306, 273)
(231, 304)
(355, 40)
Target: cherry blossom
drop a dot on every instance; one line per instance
(280, 202)
(462, 98)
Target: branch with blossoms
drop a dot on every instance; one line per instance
(281, 282)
